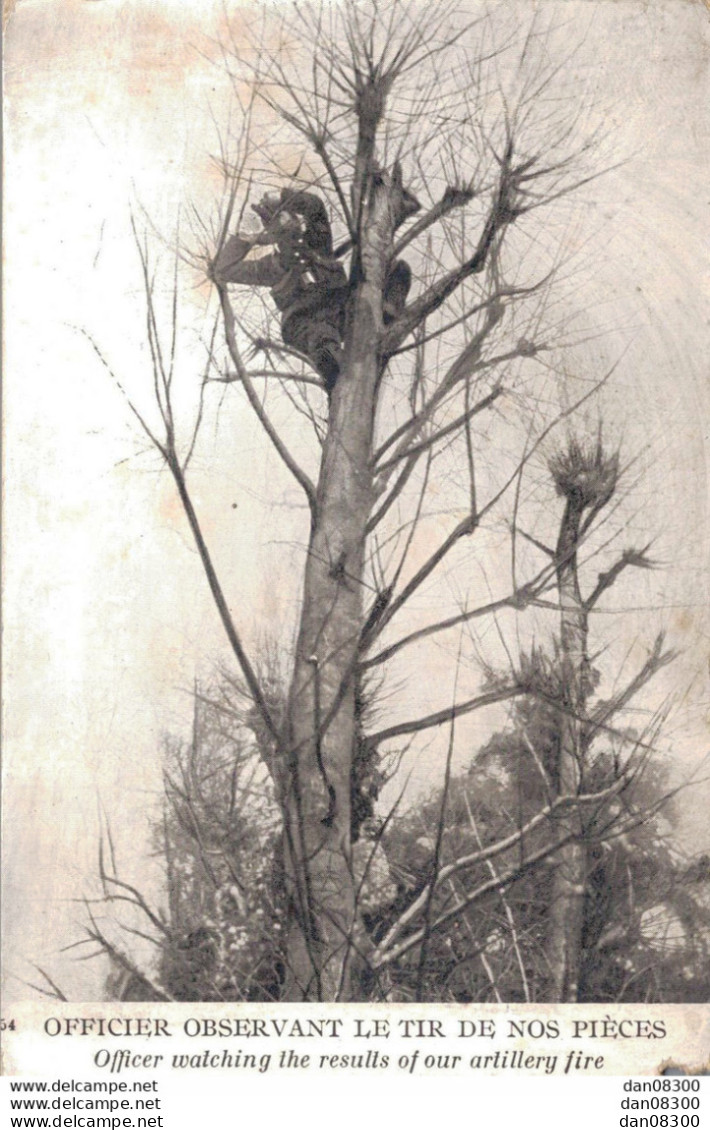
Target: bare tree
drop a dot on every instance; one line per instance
(405, 141)
(548, 812)
(586, 477)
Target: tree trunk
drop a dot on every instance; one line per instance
(566, 916)
(324, 933)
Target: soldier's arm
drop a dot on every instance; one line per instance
(232, 265)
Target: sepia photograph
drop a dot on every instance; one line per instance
(356, 556)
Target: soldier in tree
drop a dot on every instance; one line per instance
(308, 283)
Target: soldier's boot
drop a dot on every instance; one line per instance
(396, 290)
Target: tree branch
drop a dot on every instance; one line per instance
(298, 473)
(630, 557)
(219, 598)
(441, 716)
(452, 198)
(523, 597)
(502, 213)
(607, 709)
(386, 954)
(405, 451)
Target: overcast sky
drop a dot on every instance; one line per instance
(107, 621)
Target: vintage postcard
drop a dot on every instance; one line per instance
(356, 419)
